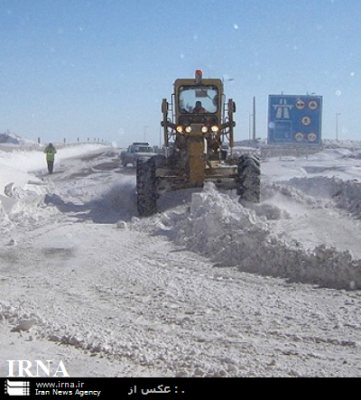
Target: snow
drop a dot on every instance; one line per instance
(208, 286)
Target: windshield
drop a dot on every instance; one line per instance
(198, 99)
(143, 149)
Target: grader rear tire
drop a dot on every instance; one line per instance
(249, 178)
(146, 187)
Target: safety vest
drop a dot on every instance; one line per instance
(50, 153)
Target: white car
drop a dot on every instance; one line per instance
(137, 150)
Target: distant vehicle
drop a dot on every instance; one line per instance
(136, 151)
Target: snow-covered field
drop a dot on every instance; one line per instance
(206, 287)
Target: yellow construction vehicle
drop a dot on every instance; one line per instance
(198, 129)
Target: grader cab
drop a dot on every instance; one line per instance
(198, 126)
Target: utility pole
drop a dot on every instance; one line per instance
(254, 119)
(337, 115)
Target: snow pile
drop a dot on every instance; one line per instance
(336, 144)
(5, 223)
(21, 193)
(345, 194)
(232, 235)
(18, 318)
(10, 138)
(28, 161)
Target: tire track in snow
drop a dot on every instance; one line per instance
(133, 296)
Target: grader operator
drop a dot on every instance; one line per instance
(197, 124)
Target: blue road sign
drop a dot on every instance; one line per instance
(294, 119)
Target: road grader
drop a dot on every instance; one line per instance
(198, 127)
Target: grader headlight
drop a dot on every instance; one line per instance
(214, 128)
(204, 129)
(179, 128)
(188, 129)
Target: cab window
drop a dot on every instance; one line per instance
(190, 96)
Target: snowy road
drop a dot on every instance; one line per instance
(83, 280)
